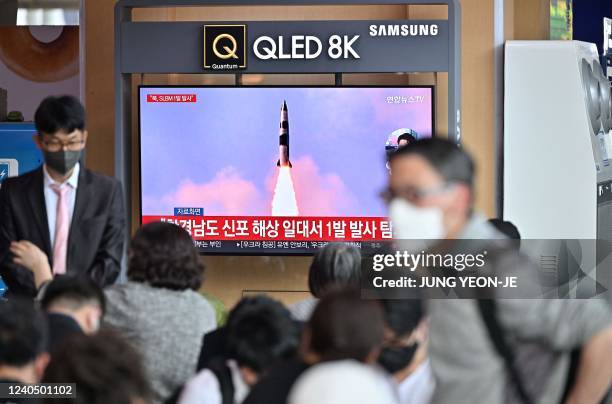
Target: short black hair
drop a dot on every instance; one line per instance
(507, 228)
(260, 332)
(23, 332)
(335, 265)
(453, 163)
(63, 113)
(73, 291)
(402, 315)
(163, 255)
(344, 326)
(104, 367)
(406, 136)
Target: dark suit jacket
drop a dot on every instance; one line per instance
(213, 346)
(97, 231)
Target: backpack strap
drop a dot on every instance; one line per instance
(488, 312)
(224, 376)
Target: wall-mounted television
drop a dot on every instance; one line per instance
(274, 170)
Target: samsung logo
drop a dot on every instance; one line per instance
(404, 30)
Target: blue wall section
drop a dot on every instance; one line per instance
(16, 143)
(588, 20)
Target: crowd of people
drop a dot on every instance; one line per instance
(155, 338)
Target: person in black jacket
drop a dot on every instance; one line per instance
(61, 217)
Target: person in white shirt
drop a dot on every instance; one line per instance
(260, 333)
(404, 352)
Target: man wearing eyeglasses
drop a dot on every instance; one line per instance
(495, 350)
(60, 218)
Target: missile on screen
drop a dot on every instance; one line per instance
(283, 138)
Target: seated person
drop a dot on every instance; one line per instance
(404, 352)
(335, 266)
(159, 309)
(60, 218)
(260, 333)
(336, 331)
(104, 368)
(74, 305)
(23, 334)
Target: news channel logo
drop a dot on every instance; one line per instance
(8, 168)
(225, 47)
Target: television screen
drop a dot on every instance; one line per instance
(274, 170)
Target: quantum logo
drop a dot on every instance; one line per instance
(225, 47)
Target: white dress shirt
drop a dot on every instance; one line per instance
(51, 198)
(205, 388)
(418, 388)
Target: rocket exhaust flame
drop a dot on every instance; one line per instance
(284, 202)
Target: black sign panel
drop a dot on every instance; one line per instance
(225, 47)
(376, 46)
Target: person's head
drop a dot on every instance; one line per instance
(430, 191)
(23, 339)
(508, 229)
(344, 326)
(104, 367)
(61, 134)
(78, 297)
(405, 139)
(334, 266)
(342, 382)
(403, 333)
(260, 332)
(163, 255)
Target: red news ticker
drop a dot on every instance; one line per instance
(276, 228)
(172, 98)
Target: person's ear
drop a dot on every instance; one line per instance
(422, 330)
(465, 196)
(373, 355)
(38, 141)
(249, 376)
(93, 316)
(40, 364)
(304, 347)
(85, 137)
(459, 199)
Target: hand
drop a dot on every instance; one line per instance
(33, 258)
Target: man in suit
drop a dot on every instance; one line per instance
(60, 218)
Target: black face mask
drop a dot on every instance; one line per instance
(62, 161)
(396, 359)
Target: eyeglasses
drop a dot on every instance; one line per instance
(414, 194)
(56, 145)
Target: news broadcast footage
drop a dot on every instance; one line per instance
(274, 169)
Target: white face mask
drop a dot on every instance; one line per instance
(412, 222)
